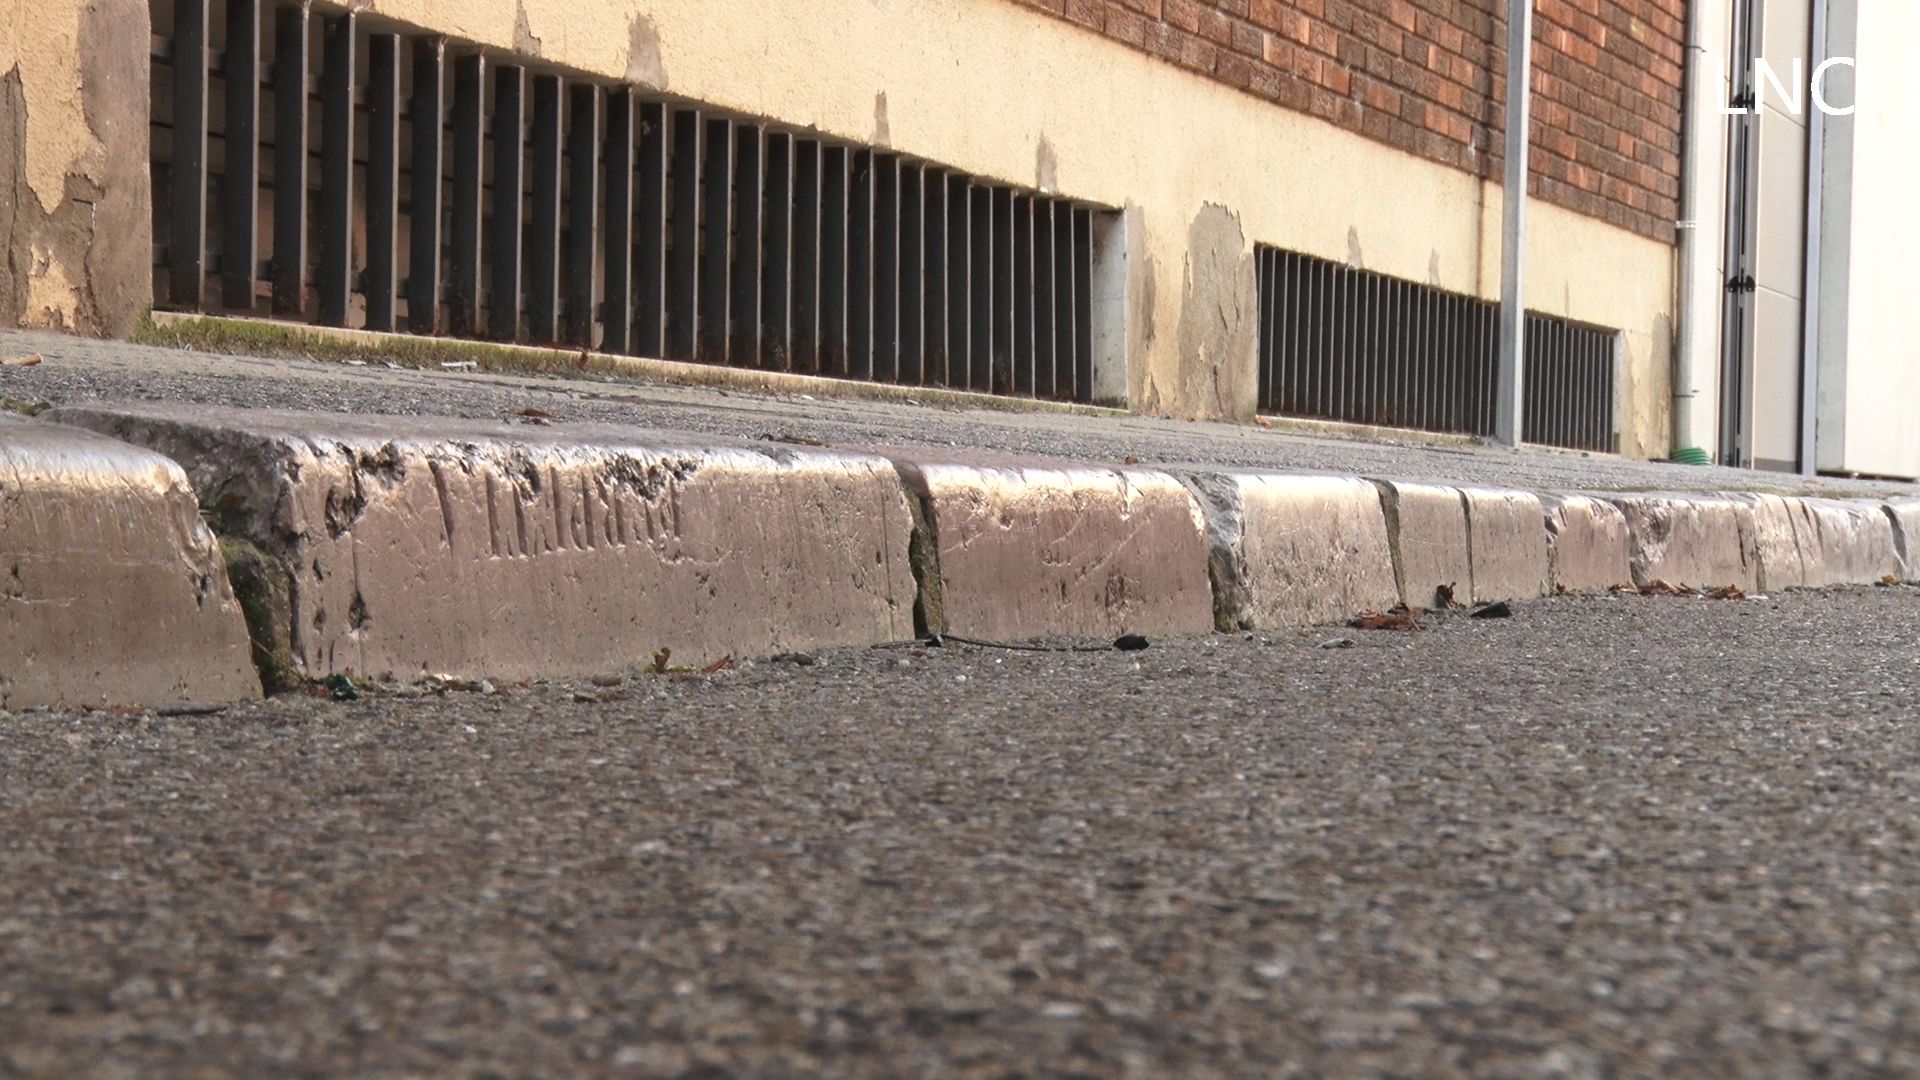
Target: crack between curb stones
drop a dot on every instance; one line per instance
(923, 555)
(1907, 567)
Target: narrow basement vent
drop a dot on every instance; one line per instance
(1363, 348)
(370, 177)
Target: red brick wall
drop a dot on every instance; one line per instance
(1428, 76)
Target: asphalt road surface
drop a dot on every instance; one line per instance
(1606, 837)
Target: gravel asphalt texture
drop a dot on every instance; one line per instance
(76, 370)
(1617, 836)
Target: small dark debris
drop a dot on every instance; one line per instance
(798, 659)
(1501, 610)
(1131, 643)
(342, 688)
(792, 439)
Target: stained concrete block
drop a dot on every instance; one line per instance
(1692, 541)
(1904, 514)
(1812, 543)
(1427, 526)
(1855, 540)
(1589, 548)
(112, 590)
(419, 545)
(1507, 545)
(1036, 550)
(1295, 550)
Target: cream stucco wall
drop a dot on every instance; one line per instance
(988, 86)
(1001, 91)
(75, 233)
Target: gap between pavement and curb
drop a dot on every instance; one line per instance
(400, 547)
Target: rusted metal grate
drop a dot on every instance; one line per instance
(370, 177)
(1360, 347)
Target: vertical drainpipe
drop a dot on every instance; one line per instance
(1816, 187)
(1688, 230)
(1511, 391)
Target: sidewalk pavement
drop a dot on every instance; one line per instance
(405, 522)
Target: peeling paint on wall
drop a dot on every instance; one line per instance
(644, 63)
(1219, 316)
(76, 227)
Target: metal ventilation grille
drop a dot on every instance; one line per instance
(1360, 347)
(395, 182)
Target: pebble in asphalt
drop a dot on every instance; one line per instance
(1608, 836)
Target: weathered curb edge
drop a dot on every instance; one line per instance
(1019, 550)
(399, 546)
(416, 546)
(112, 592)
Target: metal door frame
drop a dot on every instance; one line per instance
(1742, 238)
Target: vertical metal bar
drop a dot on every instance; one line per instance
(1003, 349)
(683, 257)
(716, 243)
(427, 109)
(1345, 305)
(583, 211)
(1332, 336)
(509, 169)
(382, 281)
(1408, 384)
(913, 277)
(1306, 271)
(240, 185)
(959, 282)
(860, 268)
(1066, 303)
(743, 328)
(1312, 321)
(1513, 237)
(1046, 332)
(1266, 346)
(776, 288)
(543, 234)
(617, 250)
(289, 161)
(938, 263)
(833, 259)
(336, 170)
(1083, 311)
(187, 242)
(469, 195)
(1022, 254)
(807, 271)
(649, 261)
(886, 268)
(980, 295)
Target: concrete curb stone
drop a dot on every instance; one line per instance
(1427, 528)
(1904, 514)
(1506, 545)
(467, 548)
(112, 590)
(1293, 550)
(1691, 541)
(1813, 543)
(1028, 550)
(1589, 548)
